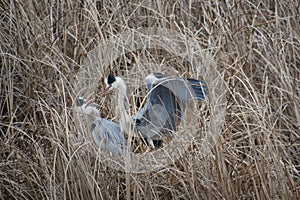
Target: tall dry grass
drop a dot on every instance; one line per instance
(256, 44)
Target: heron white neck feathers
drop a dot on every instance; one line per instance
(125, 119)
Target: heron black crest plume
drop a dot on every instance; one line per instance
(111, 79)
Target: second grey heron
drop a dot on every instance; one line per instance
(106, 134)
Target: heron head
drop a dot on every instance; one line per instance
(80, 101)
(112, 82)
(90, 112)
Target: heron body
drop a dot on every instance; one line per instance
(106, 134)
(167, 100)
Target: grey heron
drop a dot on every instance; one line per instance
(106, 134)
(167, 100)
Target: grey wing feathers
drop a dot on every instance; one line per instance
(185, 89)
(166, 102)
(155, 120)
(199, 88)
(108, 135)
(162, 110)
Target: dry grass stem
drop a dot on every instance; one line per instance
(252, 48)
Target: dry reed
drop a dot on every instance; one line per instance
(256, 45)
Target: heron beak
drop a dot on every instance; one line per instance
(105, 90)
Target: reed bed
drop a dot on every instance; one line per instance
(255, 45)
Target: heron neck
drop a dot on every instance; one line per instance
(91, 114)
(124, 118)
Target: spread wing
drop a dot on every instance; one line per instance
(161, 112)
(167, 99)
(184, 89)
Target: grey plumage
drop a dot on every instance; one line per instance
(106, 134)
(167, 100)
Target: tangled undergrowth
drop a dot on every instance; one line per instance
(255, 44)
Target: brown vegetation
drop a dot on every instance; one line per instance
(255, 44)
